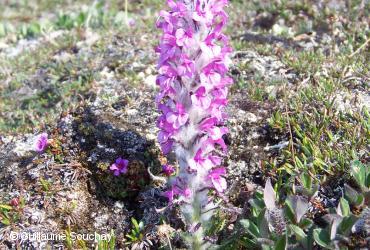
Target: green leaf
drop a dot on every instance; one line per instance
(248, 243)
(299, 163)
(281, 243)
(353, 196)
(298, 232)
(306, 151)
(344, 207)
(5, 207)
(298, 205)
(257, 204)
(358, 171)
(5, 221)
(250, 227)
(263, 224)
(141, 225)
(306, 181)
(360, 200)
(289, 212)
(346, 225)
(322, 238)
(134, 222)
(305, 223)
(319, 163)
(112, 242)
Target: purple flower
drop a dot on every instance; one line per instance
(199, 162)
(175, 191)
(119, 167)
(41, 142)
(183, 37)
(177, 118)
(218, 182)
(210, 79)
(200, 98)
(168, 169)
(186, 67)
(216, 133)
(193, 65)
(171, 193)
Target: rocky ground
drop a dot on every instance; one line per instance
(86, 76)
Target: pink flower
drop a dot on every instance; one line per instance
(216, 133)
(210, 79)
(171, 193)
(208, 123)
(193, 66)
(41, 142)
(167, 22)
(209, 48)
(187, 192)
(131, 22)
(186, 67)
(178, 8)
(200, 98)
(216, 109)
(168, 169)
(218, 182)
(177, 191)
(203, 15)
(177, 118)
(119, 167)
(183, 37)
(167, 146)
(199, 162)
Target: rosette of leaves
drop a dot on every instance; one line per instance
(342, 223)
(274, 226)
(359, 197)
(336, 234)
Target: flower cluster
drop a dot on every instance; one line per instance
(119, 167)
(193, 66)
(168, 170)
(41, 142)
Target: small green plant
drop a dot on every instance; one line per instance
(282, 226)
(217, 225)
(275, 226)
(136, 233)
(11, 213)
(5, 214)
(107, 244)
(339, 227)
(69, 241)
(137, 237)
(287, 224)
(45, 185)
(92, 17)
(361, 174)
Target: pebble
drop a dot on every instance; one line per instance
(151, 137)
(150, 81)
(251, 117)
(132, 111)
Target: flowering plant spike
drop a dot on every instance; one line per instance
(192, 66)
